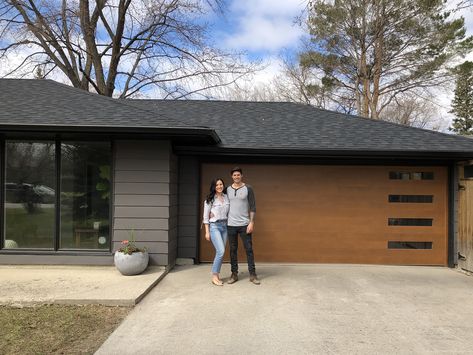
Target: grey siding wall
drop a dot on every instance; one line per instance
(189, 208)
(144, 197)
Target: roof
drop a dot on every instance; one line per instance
(298, 127)
(48, 105)
(270, 128)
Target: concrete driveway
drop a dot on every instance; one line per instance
(303, 309)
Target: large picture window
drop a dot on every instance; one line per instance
(57, 195)
(30, 180)
(85, 195)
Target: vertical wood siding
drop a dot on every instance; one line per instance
(465, 221)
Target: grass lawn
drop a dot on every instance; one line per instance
(57, 329)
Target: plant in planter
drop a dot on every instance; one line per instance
(129, 259)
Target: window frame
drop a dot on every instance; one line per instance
(57, 139)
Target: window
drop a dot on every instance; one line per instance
(406, 175)
(411, 198)
(29, 195)
(47, 208)
(468, 171)
(409, 245)
(410, 221)
(85, 195)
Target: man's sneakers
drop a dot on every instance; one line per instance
(233, 278)
(254, 279)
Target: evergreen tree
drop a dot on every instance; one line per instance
(462, 103)
(370, 52)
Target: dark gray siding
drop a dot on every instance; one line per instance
(173, 208)
(144, 197)
(189, 207)
(15, 259)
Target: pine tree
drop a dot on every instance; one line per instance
(462, 103)
(369, 52)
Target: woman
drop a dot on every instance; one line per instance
(216, 207)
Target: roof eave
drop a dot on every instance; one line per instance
(320, 153)
(207, 134)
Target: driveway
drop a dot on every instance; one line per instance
(303, 309)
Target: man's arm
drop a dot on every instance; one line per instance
(252, 204)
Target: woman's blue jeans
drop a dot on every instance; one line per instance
(218, 236)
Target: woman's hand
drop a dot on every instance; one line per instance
(207, 236)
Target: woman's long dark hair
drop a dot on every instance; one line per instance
(211, 196)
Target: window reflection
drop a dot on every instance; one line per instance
(85, 195)
(29, 195)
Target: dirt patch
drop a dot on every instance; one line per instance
(57, 329)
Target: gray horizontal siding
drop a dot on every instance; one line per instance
(142, 197)
(141, 200)
(141, 223)
(141, 176)
(140, 164)
(140, 211)
(142, 188)
(143, 235)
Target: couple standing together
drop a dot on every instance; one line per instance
(229, 212)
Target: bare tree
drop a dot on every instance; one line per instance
(119, 47)
(415, 111)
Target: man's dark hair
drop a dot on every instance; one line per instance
(236, 168)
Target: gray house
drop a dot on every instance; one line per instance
(81, 172)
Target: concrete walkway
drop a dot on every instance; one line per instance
(32, 285)
(304, 309)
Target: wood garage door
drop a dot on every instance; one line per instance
(343, 214)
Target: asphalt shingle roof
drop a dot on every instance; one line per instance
(45, 102)
(249, 125)
(291, 126)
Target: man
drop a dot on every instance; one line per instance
(241, 220)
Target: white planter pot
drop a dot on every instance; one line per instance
(133, 264)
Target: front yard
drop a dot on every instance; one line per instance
(57, 329)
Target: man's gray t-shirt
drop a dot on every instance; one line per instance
(242, 202)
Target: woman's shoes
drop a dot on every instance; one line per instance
(217, 282)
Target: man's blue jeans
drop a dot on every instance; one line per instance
(218, 236)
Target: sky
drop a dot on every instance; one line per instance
(264, 29)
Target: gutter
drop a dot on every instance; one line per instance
(203, 132)
(335, 153)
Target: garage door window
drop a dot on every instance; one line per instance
(410, 221)
(409, 245)
(411, 198)
(407, 175)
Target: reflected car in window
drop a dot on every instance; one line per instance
(25, 192)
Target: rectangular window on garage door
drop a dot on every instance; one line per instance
(408, 175)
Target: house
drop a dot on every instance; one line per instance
(81, 172)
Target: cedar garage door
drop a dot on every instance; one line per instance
(343, 214)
